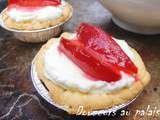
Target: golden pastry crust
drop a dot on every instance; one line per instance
(72, 99)
(35, 24)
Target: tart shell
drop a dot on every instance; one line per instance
(73, 99)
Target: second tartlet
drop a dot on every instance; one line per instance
(36, 21)
(24, 18)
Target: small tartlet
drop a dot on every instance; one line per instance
(36, 24)
(73, 99)
(35, 31)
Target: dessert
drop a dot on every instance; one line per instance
(90, 68)
(35, 14)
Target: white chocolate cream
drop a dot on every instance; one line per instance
(42, 14)
(65, 73)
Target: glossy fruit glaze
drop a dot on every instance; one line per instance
(97, 54)
(32, 4)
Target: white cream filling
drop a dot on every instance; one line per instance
(64, 72)
(42, 14)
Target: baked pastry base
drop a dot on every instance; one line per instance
(73, 99)
(35, 24)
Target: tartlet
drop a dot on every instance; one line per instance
(73, 97)
(35, 24)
